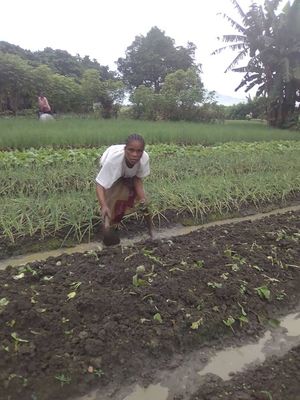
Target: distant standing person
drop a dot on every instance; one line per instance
(120, 181)
(44, 107)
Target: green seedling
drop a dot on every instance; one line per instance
(195, 325)
(263, 292)
(243, 288)
(234, 267)
(98, 372)
(3, 303)
(229, 322)
(214, 285)
(137, 282)
(267, 393)
(63, 379)
(225, 276)
(243, 317)
(74, 286)
(157, 317)
(18, 340)
(243, 320)
(199, 264)
(149, 254)
(71, 295)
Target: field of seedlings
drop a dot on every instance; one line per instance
(108, 320)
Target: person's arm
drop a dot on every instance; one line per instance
(139, 189)
(100, 191)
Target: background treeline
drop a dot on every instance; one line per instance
(160, 80)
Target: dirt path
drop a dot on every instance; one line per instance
(117, 316)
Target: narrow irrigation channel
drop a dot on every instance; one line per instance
(191, 372)
(168, 233)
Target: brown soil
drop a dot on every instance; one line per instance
(130, 310)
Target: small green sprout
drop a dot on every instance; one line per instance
(229, 322)
(157, 317)
(195, 325)
(63, 379)
(263, 292)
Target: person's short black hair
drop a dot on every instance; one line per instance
(135, 136)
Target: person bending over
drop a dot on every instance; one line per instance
(119, 184)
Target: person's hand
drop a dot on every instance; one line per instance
(105, 211)
(142, 206)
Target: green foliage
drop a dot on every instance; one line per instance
(23, 75)
(46, 191)
(149, 59)
(272, 42)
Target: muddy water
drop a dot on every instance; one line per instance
(159, 234)
(187, 375)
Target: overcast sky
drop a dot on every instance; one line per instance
(104, 29)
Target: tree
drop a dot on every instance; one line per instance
(146, 103)
(273, 43)
(107, 93)
(16, 82)
(181, 92)
(149, 59)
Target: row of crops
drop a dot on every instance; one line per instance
(46, 191)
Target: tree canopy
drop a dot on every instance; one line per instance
(149, 59)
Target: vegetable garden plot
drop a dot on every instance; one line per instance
(84, 320)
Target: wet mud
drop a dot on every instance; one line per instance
(97, 322)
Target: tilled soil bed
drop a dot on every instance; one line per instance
(79, 321)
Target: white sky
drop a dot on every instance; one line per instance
(104, 29)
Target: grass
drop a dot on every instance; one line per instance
(24, 133)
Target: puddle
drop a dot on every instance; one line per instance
(152, 392)
(292, 324)
(187, 375)
(159, 234)
(233, 360)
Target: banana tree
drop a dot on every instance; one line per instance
(272, 41)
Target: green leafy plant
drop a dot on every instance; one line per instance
(229, 322)
(63, 379)
(74, 287)
(263, 292)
